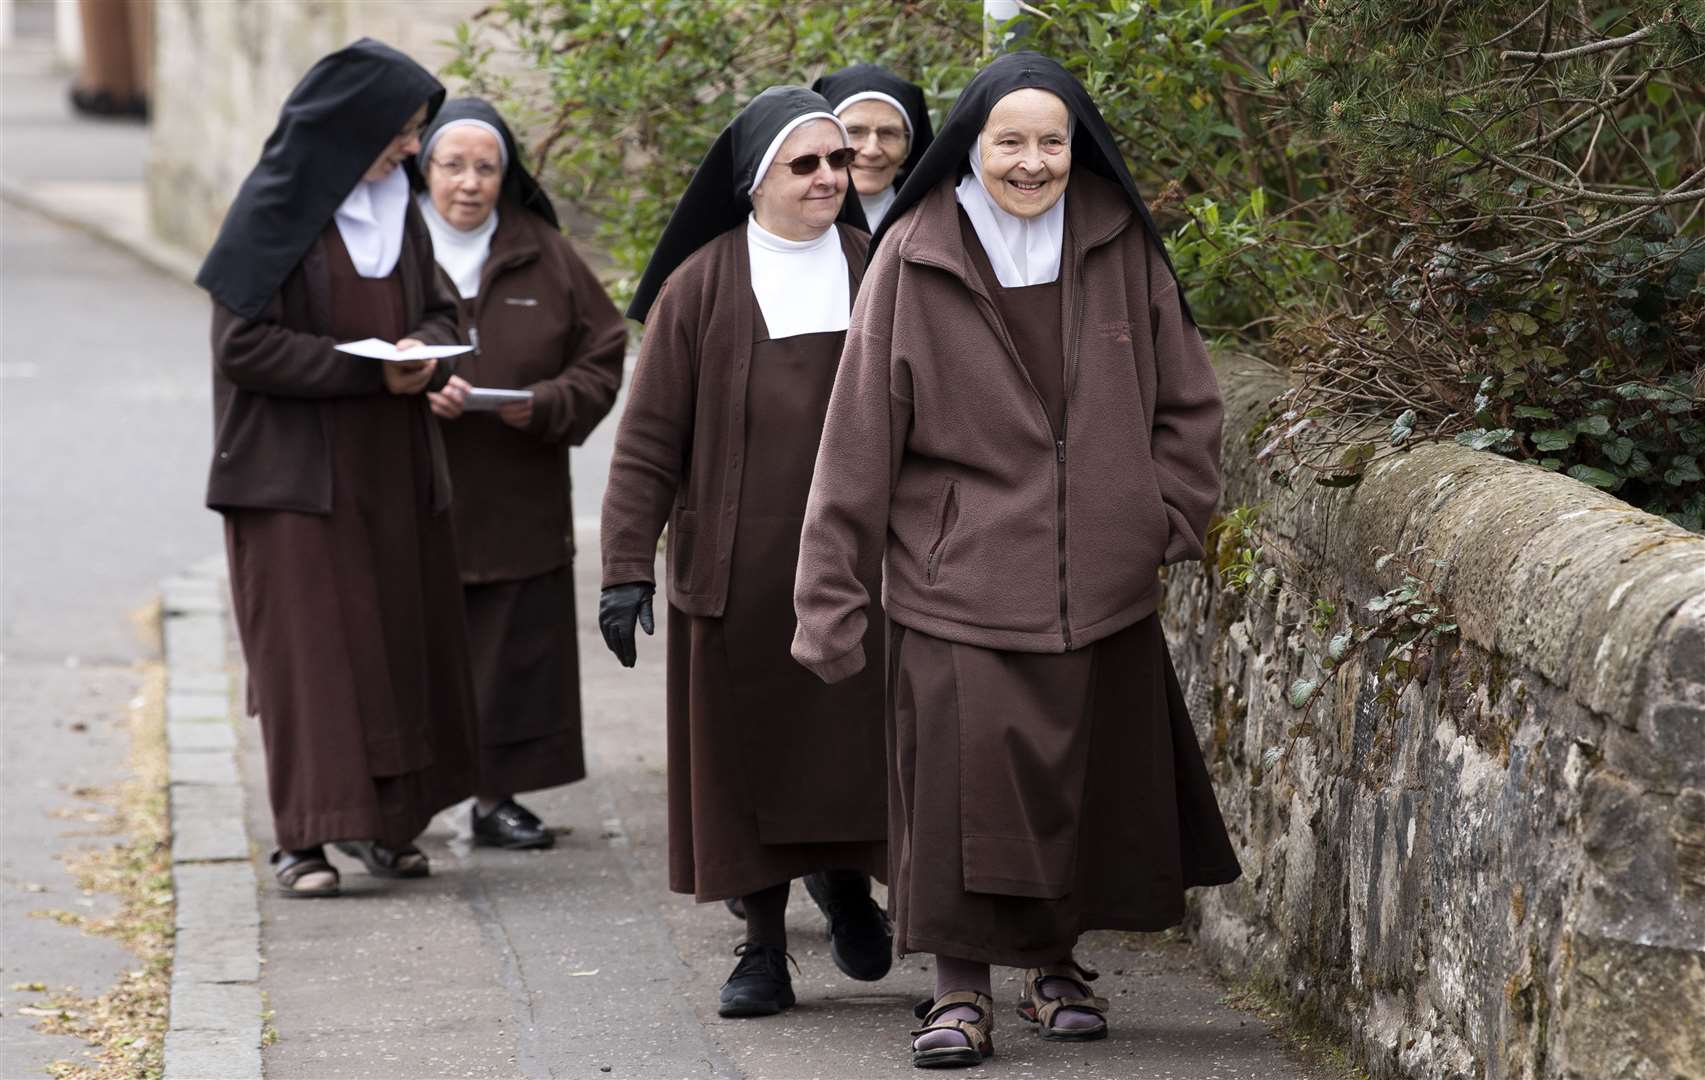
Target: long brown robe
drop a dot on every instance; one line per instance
(351, 621)
(542, 322)
(1038, 795)
(772, 774)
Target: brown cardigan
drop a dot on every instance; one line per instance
(999, 531)
(542, 322)
(270, 449)
(678, 449)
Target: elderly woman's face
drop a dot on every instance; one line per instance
(1026, 149)
(800, 207)
(464, 175)
(403, 145)
(878, 132)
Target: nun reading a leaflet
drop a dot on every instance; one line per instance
(1025, 427)
(772, 775)
(331, 477)
(547, 337)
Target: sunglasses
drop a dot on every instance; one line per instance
(806, 164)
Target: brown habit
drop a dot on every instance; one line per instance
(1045, 774)
(771, 774)
(542, 322)
(350, 617)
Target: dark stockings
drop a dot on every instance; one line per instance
(766, 915)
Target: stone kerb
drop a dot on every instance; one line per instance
(1498, 871)
(215, 1019)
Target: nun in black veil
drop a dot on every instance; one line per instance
(888, 124)
(331, 476)
(772, 775)
(1026, 427)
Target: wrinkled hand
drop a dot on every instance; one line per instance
(619, 607)
(408, 377)
(517, 414)
(448, 402)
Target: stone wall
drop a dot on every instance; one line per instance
(1501, 873)
(223, 69)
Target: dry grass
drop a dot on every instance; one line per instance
(126, 1025)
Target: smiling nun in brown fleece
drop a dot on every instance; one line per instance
(540, 322)
(772, 775)
(330, 472)
(1025, 426)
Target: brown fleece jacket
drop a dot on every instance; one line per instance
(678, 448)
(999, 531)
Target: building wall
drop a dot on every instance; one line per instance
(225, 68)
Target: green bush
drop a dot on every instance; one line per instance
(1475, 221)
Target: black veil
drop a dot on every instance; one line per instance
(519, 185)
(837, 86)
(719, 196)
(337, 120)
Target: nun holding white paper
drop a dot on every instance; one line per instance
(330, 473)
(772, 775)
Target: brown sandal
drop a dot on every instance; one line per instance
(1041, 1011)
(978, 1034)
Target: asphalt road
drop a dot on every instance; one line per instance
(104, 436)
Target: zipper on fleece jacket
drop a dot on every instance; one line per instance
(1058, 435)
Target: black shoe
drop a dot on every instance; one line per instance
(760, 985)
(861, 939)
(510, 825)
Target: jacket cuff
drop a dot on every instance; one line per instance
(841, 667)
(548, 405)
(626, 573)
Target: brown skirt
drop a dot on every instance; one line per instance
(527, 681)
(352, 629)
(1037, 796)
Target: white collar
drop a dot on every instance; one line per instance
(876, 206)
(371, 223)
(461, 252)
(800, 285)
(1023, 251)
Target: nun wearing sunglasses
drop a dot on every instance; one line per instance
(772, 774)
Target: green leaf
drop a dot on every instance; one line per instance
(1619, 449)
(1403, 428)
(1534, 412)
(1592, 425)
(1553, 439)
(1598, 478)
(1683, 470)
(1339, 645)
(1301, 691)
(1658, 94)
(1483, 439)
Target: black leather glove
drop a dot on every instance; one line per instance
(619, 607)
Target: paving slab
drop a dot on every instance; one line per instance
(207, 823)
(218, 954)
(198, 767)
(191, 736)
(215, 895)
(211, 1055)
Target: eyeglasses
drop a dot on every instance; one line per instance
(887, 136)
(455, 167)
(806, 164)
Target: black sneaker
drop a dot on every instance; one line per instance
(760, 985)
(510, 825)
(861, 939)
